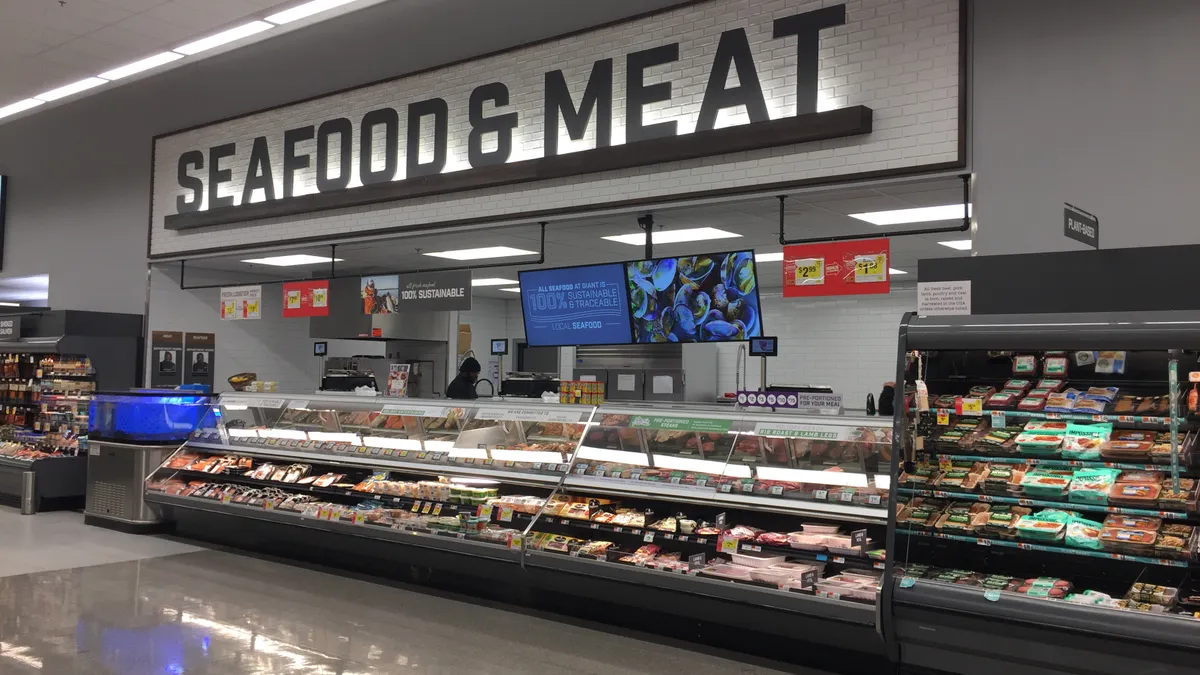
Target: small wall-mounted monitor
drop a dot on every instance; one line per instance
(500, 347)
(764, 346)
(320, 348)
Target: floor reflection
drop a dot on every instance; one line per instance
(213, 613)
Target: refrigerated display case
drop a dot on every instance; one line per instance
(1045, 503)
(769, 521)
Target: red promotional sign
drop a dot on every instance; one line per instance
(837, 268)
(305, 298)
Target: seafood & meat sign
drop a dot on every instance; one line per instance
(575, 306)
(349, 155)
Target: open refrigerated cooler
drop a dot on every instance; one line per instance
(1045, 504)
(769, 521)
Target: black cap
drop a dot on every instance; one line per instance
(470, 365)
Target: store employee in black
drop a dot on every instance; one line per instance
(463, 386)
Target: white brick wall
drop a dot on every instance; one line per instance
(899, 58)
(847, 343)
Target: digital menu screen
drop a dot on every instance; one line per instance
(698, 298)
(575, 306)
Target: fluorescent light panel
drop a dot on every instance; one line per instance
(292, 260)
(543, 456)
(306, 10)
(241, 433)
(438, 446)
(334, 437)
(20, 106)
(673, 236)
(473, 453)
(768, 257)
(842, 478)
(894, 271)
(883, 481)
(393, 443)
(481, 253)
(10, 304)
(73, 88)
(616, 456)
(958, 244)
(139, 66)
(291, 434)
(492, 281)
(512, 290)
(924, 214)
(701, 466)
(224, 37)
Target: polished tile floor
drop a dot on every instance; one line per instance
(169, 608)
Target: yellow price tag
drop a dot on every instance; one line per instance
(485, 511)
(870, 268)
(728, 545)
(945, 464)
(427, 508)
(506, 514)
(972, 406)
(515, 541)
(943, 417)
(437, 510)
(810, 271)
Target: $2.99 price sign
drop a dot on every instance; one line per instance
(837, 268)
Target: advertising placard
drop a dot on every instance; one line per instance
(575, 306)
(837, 268)
(166, 348)
(199, 354)
(305, 298)
(424, 292)
(397, 384)
(241, 302)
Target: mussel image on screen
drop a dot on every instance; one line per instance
(699, 298)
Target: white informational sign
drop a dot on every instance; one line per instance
(943, 297)
(531, 415)
(241, 302)
(663, 384)
(626, 382)
(811, 431)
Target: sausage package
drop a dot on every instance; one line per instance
(1092, 486)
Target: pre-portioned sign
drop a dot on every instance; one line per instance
(390, 144)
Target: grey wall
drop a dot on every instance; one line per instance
(1093, 102)
(79, 199)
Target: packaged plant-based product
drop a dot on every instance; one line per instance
(1037, 443)
(1106, 394)
(1024, 364)
(1046, 484)
(1047, 427)
(1051, 385)
(1001, 401)
(1062, 402)
(1092, 486)
(1017, 384)
(1086, 405)
(1084, 441)
(1031, 404)
(1085, 534)
(981, 391)
(1055, 365)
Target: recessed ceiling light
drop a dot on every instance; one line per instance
(917, 215)
(292, 260)
(307, 9)
(768, 257)
(73, 88)
(894, 271)
(673, 236)
(480, 253)
(20, 106)
(224, 37)
(492, 281)
(958, 244)
(139, 66)
(512, 290)
(10, 304)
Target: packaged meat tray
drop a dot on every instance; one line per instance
(807, 542)
(779, 575)
(735, 572)
(757, 559)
